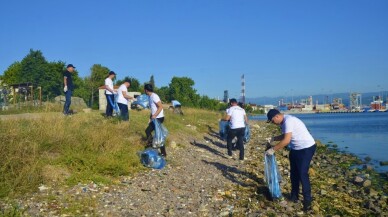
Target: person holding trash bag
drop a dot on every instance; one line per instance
(237, 117)
(156, 113)
(109, 93)
(122, 100)
(302, 148)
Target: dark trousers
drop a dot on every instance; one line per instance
(109, 106)
(239, 132)
(300, 163)
(66, 107)
(148, 131)
(123, 111)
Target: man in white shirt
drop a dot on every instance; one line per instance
(156, 113)
(109, 93)
(122, 99)
(302, 148)
(237, 117)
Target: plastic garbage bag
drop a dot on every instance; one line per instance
(272, 176)
(247, 133)
(143, 100)
(113, 103)
(224, 127)
(160, 135)
(150, 158)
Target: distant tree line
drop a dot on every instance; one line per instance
(36, 69)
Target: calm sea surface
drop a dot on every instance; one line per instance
(363, 134)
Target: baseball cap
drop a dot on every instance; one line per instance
(70, 65)
(112, 73)
(272, 113)
(233, 100)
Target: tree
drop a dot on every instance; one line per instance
(12, 74)
(164, 94)
(152, 81)
(181, 89)
(98, 73)
(135, 84)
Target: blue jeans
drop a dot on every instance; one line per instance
(123, 111)
(68, 102)
(300, 164)
(110, 98)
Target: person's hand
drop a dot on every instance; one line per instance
(65, 89)
(153, 116)
(270, 151)
(270, 140)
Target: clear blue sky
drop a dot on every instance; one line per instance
(282, 47)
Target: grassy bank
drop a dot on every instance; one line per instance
(55, 150)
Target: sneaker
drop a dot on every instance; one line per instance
(294, 199)
(306, 206)
(230, 156)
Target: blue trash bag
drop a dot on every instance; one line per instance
(114, 104)
(150, 158)
(160, 135)
(247, 133)
(272, 176)
(142, 100)
(224, 127)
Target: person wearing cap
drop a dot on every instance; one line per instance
(238, 118)
(109, 93)
(122, 99)
(68, 87)
(156, 113)
(302, 148)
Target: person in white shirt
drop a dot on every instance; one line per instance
(109, 93)
(156, 113)
(122, 99)
(302, 148)
(237, 117)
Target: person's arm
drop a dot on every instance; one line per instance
(227, 118)
(160, 108)
(108, 88)
(65, 81)
(246, 119)
(126, 96)
(285, 140)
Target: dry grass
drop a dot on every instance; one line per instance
(82, 148)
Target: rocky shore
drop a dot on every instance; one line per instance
(199, 180)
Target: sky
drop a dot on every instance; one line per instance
(297, 47)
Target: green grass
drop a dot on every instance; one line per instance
(84, 147)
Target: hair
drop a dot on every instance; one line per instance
(148, 87)
(127, 80)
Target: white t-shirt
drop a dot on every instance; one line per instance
(108, 82)
(300, 136)
(237, 117)
(121, 99)
(154, 99)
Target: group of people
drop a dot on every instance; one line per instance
(122, 101)
(294, 134)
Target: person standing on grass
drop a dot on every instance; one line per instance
(122, 100)
(109, 93)
(68, 87)
(156, 113)
(237, 117)
(302, 145)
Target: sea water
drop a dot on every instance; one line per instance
(362, 134)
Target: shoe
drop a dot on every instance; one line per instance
(294, 199)
(230, 156)
(306, 206)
